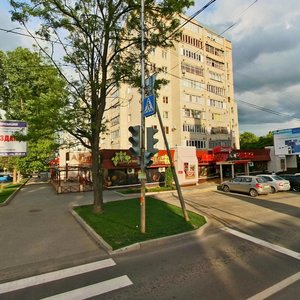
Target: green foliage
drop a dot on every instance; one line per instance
(118, 225)
(101, 39)
(169, 177)
(7, 190)
(32, 91)
(249, 140)
(121, 157)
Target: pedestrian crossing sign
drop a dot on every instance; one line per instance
(149, 108)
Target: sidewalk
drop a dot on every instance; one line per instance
(39, 234)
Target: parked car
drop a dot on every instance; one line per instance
(294, 181)
(253, 185)
(5, 178)
(276, 182)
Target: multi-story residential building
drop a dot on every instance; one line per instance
(197, 106)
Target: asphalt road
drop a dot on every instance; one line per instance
(217, 265)
(250, 249)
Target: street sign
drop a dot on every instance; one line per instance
(149, 106)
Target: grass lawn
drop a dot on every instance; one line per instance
(8, 189)
(148, 189)
(119, 224)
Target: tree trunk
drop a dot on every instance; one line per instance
(97, 179)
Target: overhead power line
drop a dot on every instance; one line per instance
(271, 111)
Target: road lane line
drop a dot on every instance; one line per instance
(56, 275)
(93, 290)
(276, 287)
(250, 238)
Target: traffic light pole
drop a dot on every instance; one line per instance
(180, 196)
(143, 167)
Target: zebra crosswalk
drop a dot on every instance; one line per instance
(75, 294)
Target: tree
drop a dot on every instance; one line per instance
(101, 40)
(32, 91)
(249, 140)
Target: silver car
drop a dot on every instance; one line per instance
(276, 182)
(253, 185)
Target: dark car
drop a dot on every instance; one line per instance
(5, 178)
(294, 181)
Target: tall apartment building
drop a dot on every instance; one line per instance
(197, 106)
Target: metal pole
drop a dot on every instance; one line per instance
(185, 214)
(143, 179)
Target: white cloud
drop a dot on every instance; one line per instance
(266, 49)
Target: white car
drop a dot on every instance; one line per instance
(276, 182)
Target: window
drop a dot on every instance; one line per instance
(192, 113)
(216, 117)
(215, 76)
(216, 103)
(164, 69)
(191, 54)
(185, 67)
(164, 54)
(194, 99)
(166, 114)
(193, 128)
(166, 129)
(216, 90)
(193, 84)
(223, 143)
(115, 121)
(196, 143)
(214, 50)
(115, 134)
(191, 41)
(214, 63)
(165, 99)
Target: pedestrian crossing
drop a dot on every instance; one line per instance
(76, 294)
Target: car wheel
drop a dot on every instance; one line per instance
(296, 188)
(273, 190)
(226, 188)
(253, 193)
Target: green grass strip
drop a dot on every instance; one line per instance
(119, 224)
(7, 190)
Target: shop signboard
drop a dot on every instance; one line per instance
(287, 141)
(9, 146)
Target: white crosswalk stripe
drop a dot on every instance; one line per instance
(93, 290)
(80, 293)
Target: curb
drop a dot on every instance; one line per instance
(8, 200)
(137, 246)
(90, 231)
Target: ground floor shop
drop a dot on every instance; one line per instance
(192, 166)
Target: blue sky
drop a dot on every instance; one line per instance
(266, 50)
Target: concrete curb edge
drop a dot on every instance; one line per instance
(90, 231)
(8, 200)
(101, 242)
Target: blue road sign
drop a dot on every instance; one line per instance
(149, 106)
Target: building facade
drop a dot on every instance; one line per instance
(197, 105)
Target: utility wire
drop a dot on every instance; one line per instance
(193, 16)
(235, 23)
(261, 108)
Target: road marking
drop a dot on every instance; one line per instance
(93, 290)
(56, 275)
(252, 239)
(276, 288)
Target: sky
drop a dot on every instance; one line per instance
(266, 57)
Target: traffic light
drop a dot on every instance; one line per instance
(135, 140)
(151, 141)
